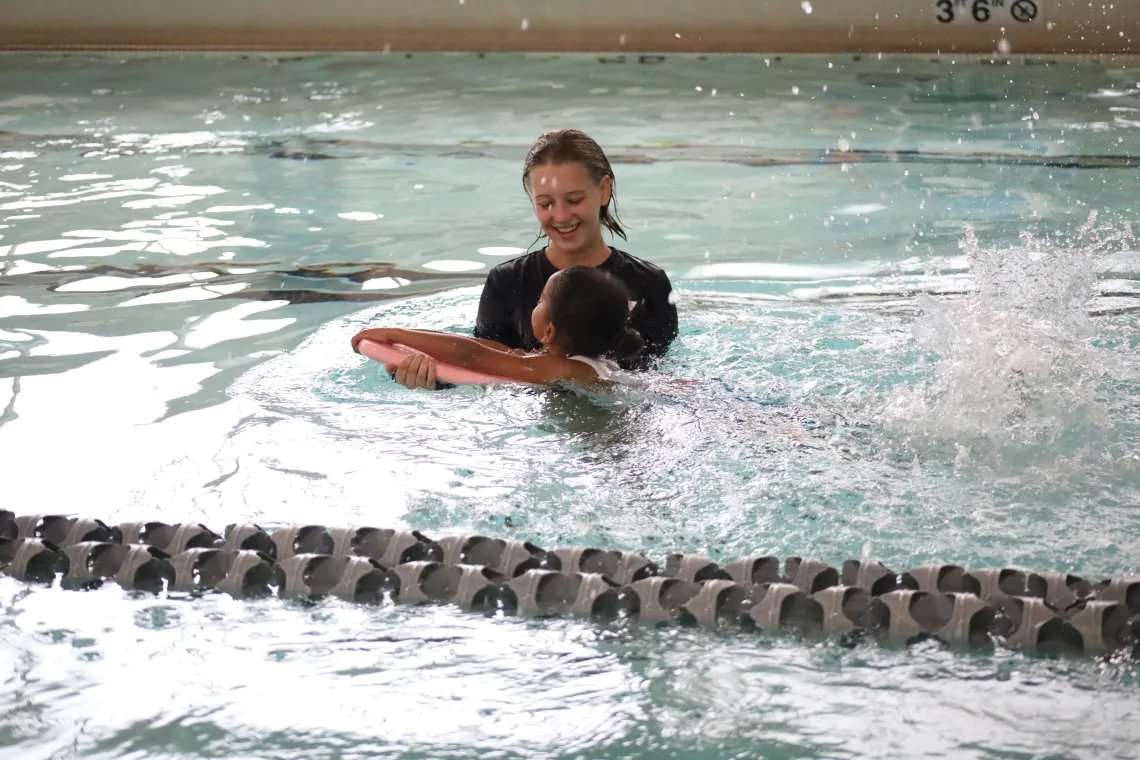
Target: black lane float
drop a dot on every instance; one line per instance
(1050, 612)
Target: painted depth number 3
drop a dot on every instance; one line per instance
(981, 11)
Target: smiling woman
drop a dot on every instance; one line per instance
(571, 184)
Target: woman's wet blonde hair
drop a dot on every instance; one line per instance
(567, 146)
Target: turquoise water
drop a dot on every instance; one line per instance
(907, 295)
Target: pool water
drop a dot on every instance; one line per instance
(909, 308)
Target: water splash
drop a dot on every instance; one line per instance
(1016, 374)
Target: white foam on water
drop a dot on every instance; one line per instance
(1016, 369)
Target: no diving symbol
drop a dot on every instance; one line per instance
(1023, 10)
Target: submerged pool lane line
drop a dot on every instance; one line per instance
(1048, 612)
(308, 148)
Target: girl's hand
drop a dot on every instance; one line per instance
(374, 334)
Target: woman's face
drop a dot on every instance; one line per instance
(568, 204)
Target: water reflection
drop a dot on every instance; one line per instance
(174, 315)
(273, 679)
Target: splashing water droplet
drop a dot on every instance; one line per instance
(806, 6)
(1004, 47)
(795, 90)
(1016, 379)
(525, 24)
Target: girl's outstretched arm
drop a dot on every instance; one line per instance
(485, 341)
(480, 356)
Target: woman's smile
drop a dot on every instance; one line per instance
(566, 232)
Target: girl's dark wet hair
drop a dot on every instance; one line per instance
(569, 146)
(590, 310)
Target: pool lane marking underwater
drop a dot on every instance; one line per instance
(1048, 612)
(306, 148)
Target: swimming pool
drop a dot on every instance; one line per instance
(188, 243)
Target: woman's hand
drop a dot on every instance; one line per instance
(415, 371)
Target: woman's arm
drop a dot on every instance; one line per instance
(493, 320)
(656, 320)
(480, 356)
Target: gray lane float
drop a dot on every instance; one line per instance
(1049, 612)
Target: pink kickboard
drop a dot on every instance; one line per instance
(394, 354)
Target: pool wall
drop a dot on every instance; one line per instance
(742, 26)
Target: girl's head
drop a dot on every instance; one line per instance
(584, 311)
(571, 183)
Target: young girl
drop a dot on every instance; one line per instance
(581, 320)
